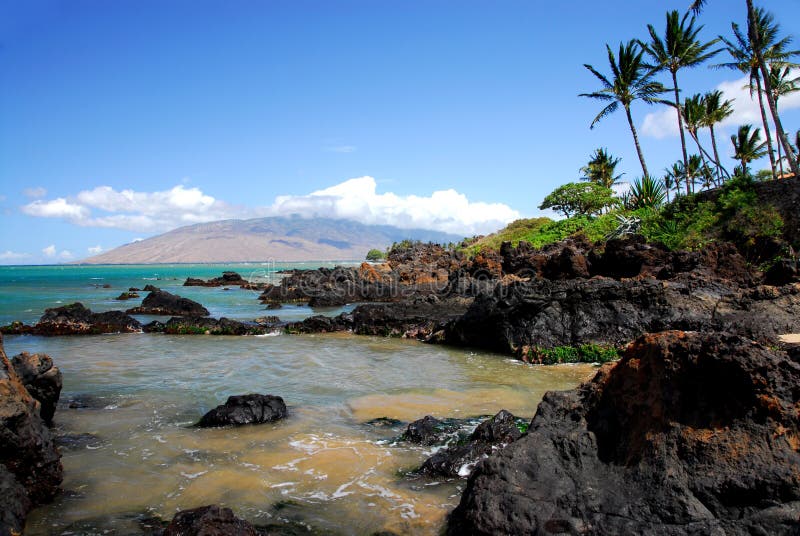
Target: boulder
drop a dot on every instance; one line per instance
(690, 433)
(161, 302)
(42, 380)
(30, 463)
(461, 458)
(202, 325)
(613, 312)
(245, 409)
(75, 319)
(209, 520)
(427, 431)
(227, 278)
(129, 295)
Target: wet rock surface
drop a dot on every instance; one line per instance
(209, 520)
(245, 409)
(42, 379)
(30, 463)
(76, 319)
(459, 459)
(202, 325)
(161, 302)
(690, 433)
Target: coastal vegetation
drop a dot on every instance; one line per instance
(697, 200)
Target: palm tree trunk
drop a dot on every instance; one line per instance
(636, 141)
(751, 15)
(716, 153)
(699, 148)
(780, 158)
(767, 131)
(680, 124)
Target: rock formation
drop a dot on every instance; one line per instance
(690, 433)
(245, 409)
(30, 464)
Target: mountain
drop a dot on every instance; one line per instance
(262, 239)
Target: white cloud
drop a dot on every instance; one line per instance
(35, 193)
(136, 211)
(94, 250)
(9, 255)
(49, 251)
(354, 199)
(357, 199)
(664, 123)
(65, 254)
(56, 208)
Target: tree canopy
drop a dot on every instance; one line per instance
(579, 198)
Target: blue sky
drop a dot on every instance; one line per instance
(120, 120)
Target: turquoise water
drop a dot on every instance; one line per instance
(137, 455)
(26, 291)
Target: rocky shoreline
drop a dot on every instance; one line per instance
(695, 430)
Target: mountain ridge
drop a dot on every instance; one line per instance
(277, 238)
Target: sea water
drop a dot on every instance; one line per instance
(336, 463)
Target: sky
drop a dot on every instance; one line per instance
(121, 120)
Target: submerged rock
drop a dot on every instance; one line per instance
(459, 459)
(42, 380)
(245, 409)
(209, 520)
(161, 302)
(30, 464)
(690, 433)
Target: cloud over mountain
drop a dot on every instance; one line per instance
(355, 199)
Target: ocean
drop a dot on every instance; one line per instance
(337, 463)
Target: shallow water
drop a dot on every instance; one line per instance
(325, 466)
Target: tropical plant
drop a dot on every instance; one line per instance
(375, 255)
(741, 50)
(600, 169)
(783, 83)
(631, 80)
(717, 111)
(748, 146)
(579, 198)
(626, 225)
(679, 48)
(646, 192)
(759, 43)
(694, 113)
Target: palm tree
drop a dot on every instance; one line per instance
(694, 115)
(759, 51)
(673, 177)
(679, 48)
(717, 111)
(782, 84)
(747, 145)
(600, 169)
(631, 81)
(745, 60)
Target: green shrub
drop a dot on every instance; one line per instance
(585, 353)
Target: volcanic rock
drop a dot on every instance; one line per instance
(42, 380)
(75, 319)
(30, 464)
(690, 433)
(245, 409)
(208, 521)
(161, 302)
